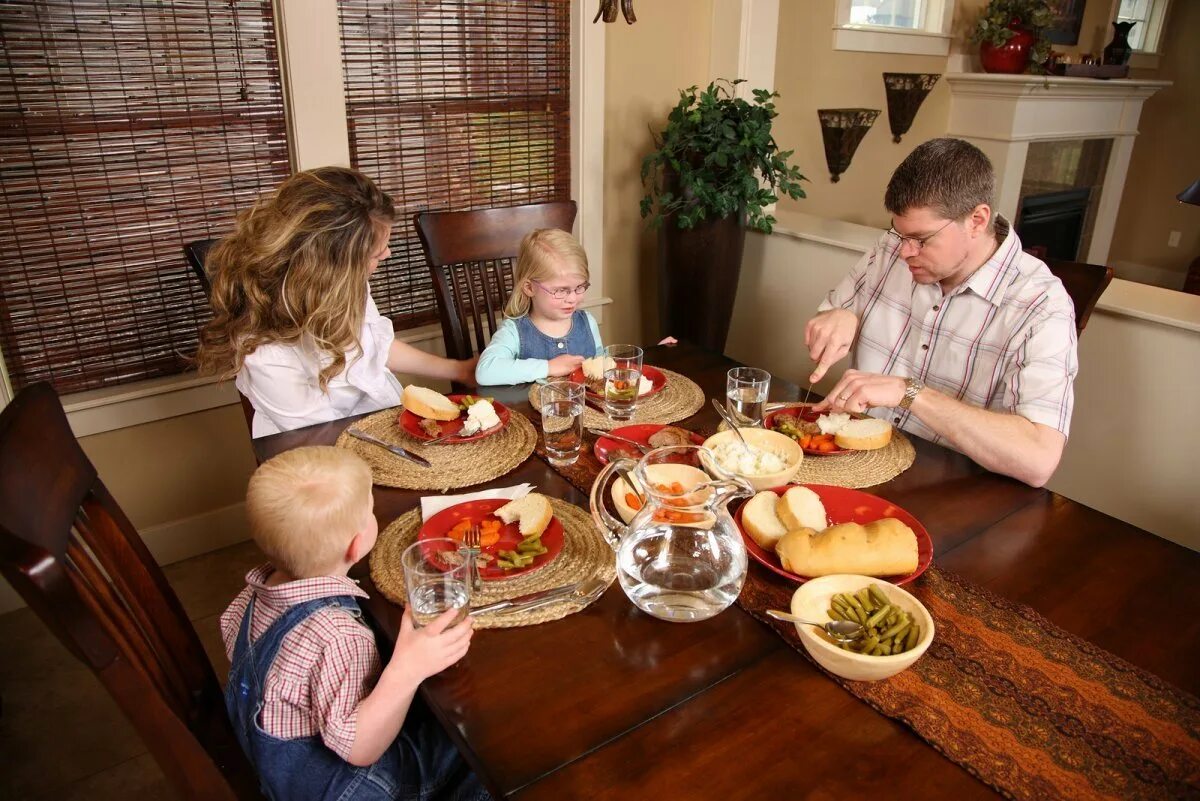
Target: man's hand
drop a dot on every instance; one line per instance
(429, 650)
(857, 392)
(828, 337)
(565, 364)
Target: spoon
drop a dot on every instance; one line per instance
(840, 630)
(729, 422)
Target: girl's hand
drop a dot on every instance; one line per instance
(565, 364)
(429, 650)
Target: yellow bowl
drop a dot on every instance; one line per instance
(779, 444)
(686, 475)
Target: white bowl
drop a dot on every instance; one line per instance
(779, 444)
(811, 602)
(666, 473)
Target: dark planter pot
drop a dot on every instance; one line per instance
(1012, 57)
(698, 273)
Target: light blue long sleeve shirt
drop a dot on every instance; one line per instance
(501, 361)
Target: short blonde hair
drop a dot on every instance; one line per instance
(544, 254)
(306, 505)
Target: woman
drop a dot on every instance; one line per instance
(293, 315)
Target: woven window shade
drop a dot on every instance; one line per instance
(126, 130)
(454, 105)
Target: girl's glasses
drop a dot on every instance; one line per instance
(562, 293)
(916, 241)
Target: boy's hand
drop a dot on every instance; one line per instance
(429, 650)
(565, 364)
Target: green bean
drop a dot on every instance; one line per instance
(879, 615)
(900, 628)
(914, 634)
(877, 594)
(864, 598)
(504, 564)
(834, 614)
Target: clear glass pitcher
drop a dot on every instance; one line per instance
(680, 556)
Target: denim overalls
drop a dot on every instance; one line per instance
(421, 764)
(578, 341)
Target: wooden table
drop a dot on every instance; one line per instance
(611, 703)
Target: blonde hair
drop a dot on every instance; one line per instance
(296, 267)
(544, 254)
(305, 506)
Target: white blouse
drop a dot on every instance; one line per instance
(281, 380)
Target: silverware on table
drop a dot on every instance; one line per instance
(579, 592)
(729, 422)
(471, 547)
(394, 449)
(643, 449)
(840, 630)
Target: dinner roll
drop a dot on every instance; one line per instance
(864, 435)
(533, 511)
(885, 547)
(800, 507)
(761, 522)
(425, 402)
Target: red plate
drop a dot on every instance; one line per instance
(808, 415)
(440, 524)
(658, 380)
(848, 506)
(639, 433)
(411, 423)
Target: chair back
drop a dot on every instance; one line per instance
(471, 255)
(75, 558)
(1085, 283)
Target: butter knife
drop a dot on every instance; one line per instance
(576, 591)
(395, 449)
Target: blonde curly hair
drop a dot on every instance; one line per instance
(295, 268)
(544, 253)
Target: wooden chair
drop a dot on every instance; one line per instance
(1085, 283)
(196, 254)
(78, 562)
(471, 256)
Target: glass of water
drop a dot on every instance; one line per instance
(746, 391)
(622, 380)
(561, 407)
(437, 578)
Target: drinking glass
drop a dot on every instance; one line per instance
(746, 391)
(437, 578)
(561, 407)
(622, 379)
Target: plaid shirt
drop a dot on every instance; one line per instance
(325, 666)
(1004, 339)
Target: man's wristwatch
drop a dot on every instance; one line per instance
(911, 387)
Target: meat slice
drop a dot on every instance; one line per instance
(669, 436)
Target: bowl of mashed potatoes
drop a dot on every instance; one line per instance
(770, 460)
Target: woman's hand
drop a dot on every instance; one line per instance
(466, 369)
(564, 365)
(425, 651)
(828, 337)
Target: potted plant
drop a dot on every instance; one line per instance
(715, 170)
(1012, 35)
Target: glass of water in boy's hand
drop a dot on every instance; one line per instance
(561, 407)
(622, 380)
(436, 577)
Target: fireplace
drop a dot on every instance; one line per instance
(1052, 223)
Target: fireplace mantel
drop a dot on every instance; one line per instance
(1002, 114)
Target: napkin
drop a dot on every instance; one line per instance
(431, 506)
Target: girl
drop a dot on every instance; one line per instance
(544, 332)
(293, 317)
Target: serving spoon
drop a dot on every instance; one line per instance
(729, 422)
(840, 630)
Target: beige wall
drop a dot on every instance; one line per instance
(646, 65)
(1165, 157)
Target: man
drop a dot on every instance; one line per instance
(957, 334)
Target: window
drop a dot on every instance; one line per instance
(887, 13)
(452, 106)
(128, 129)
(1148, 18)
(920, 27)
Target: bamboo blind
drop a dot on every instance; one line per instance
(127, 128)
(454, 105)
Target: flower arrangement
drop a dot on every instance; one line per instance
(1001, 20)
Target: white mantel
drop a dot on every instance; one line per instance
(1002, 114)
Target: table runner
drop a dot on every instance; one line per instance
(1023, 705)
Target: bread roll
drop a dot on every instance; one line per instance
(424, 402)
(533, 511)
(800, 507)
(761, 522)
(886, 547)
(864, 435)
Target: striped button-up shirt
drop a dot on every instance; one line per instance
(325, 666)
(1004, 339)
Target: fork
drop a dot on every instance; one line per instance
(643, 449)
(471, 544)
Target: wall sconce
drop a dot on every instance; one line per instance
(841, 131)
(608, 10)
(906, 91)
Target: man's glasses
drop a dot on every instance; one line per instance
(916, 241)
(562, 293)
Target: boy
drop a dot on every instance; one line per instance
(312, 707)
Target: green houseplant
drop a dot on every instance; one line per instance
(1012, 35)
(715, 170)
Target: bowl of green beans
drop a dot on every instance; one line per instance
(898, 627)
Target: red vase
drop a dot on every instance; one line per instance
(1012, 57)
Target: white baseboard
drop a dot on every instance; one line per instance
(174, 542)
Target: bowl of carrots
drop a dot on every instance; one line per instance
(673, 485)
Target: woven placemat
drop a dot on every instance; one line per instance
(678, 400)
(1023, 705)
(453, 466)
(584, 555)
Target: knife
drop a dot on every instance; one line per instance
(576, 591)
(395, 449)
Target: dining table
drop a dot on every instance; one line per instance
(611, 703)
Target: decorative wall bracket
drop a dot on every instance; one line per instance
(906, 91)
(608, 10)
(841, 131)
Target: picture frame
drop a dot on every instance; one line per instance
(1068, 20)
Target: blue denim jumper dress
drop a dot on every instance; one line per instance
(578, 341)
(422, 764)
